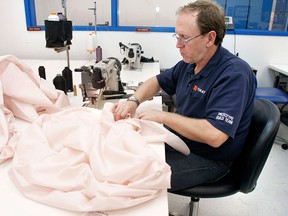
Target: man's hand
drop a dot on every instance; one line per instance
(124, 110)
(152, 115)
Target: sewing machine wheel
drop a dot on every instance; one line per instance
(118, 63)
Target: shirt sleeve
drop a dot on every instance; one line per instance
(168, 80)
(229, 98)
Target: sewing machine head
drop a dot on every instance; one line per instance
(101, 80)
(132, 52)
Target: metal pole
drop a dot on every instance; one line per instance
(95, 17)
(67, 50)
(95, 20)
(64, 6)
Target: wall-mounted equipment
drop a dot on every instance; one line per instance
(229, 23)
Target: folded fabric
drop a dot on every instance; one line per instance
(80, 159)
(77, 159)
(25, 95)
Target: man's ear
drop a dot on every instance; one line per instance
(211, 38)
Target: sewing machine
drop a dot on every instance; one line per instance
(101, 81)
(132, 53)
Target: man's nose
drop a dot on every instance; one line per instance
(179, 44)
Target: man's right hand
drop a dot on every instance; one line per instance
(124, 110)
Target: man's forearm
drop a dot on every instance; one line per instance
(147, 90)
(199, 130)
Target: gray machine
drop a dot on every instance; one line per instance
(133, 53)
(101, 81)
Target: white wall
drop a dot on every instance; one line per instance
(258, 51)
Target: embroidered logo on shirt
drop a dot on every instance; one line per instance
(196, 88)
(225, 117)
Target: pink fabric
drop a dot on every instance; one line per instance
(80, 159)
(24, 95)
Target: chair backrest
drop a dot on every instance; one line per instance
(263, 130)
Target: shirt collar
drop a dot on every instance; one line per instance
(209, 67)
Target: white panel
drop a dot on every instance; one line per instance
(149, 12)
(77, 11)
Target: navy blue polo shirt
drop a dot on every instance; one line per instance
(222, 92)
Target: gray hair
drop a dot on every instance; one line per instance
(210, 17)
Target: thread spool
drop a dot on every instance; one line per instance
(75, 90)
(60, 83)
(53, 17)
(41, 72)
(61, 16)
(91, 43)
(67, 75)
(98, 54)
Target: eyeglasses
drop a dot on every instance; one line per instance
(183, 40)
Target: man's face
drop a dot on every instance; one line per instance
(192, 50)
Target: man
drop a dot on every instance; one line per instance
(214, 92)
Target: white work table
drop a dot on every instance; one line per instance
(136, 76)
(13, 203)
(280, 68)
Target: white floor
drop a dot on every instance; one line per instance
(270, 197)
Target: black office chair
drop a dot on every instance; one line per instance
(280, 98)
(246, 170)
